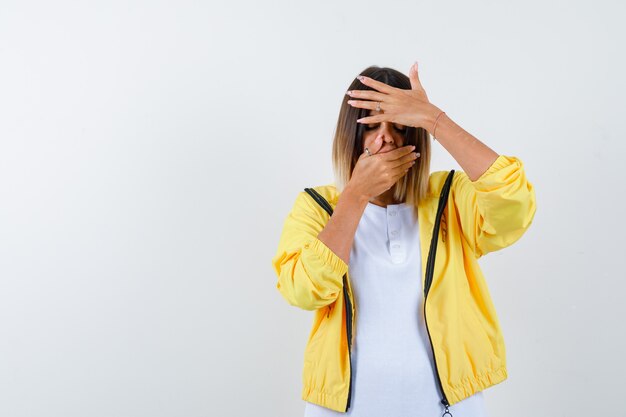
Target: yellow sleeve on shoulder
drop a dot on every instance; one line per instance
(497, 208)
(309, 272)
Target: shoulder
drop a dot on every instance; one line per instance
(306, 204)
(328, 191)
(437, 179)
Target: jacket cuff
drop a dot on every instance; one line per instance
(329, 257)
(498, 173)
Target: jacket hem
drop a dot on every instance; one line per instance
(472, 385)
(334, 402)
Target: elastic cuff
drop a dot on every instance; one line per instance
(325, 253)
(497, 172)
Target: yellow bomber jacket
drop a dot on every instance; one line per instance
(480, 216)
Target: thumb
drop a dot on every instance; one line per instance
(414, 78)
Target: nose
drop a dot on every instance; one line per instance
(384, 131)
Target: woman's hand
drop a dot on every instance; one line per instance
(375, 174)
(406, 107)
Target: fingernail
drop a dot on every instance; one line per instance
(412, 147)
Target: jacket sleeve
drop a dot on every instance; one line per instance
(309, 272)
(497, 208)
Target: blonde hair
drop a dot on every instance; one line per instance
(348, 141)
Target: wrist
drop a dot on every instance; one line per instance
(431, 117)
(351, 193)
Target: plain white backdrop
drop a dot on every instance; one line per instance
(150, 151)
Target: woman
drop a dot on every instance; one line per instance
(386, 257)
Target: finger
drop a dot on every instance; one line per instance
(414, 78)
(367, 94)
(381, 117)
(397, 153)
(401, 170)
(385, 88)
(410, 157)
(365, 104)
(407, 165)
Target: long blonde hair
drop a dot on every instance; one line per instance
(348, 141)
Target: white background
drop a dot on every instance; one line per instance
(150, 151)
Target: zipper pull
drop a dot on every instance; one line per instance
(447, 410)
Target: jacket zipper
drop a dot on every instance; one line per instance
(348, 305)
(430, 269)
(429, 279)
(444, 400)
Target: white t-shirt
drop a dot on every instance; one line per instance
(393, 373)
